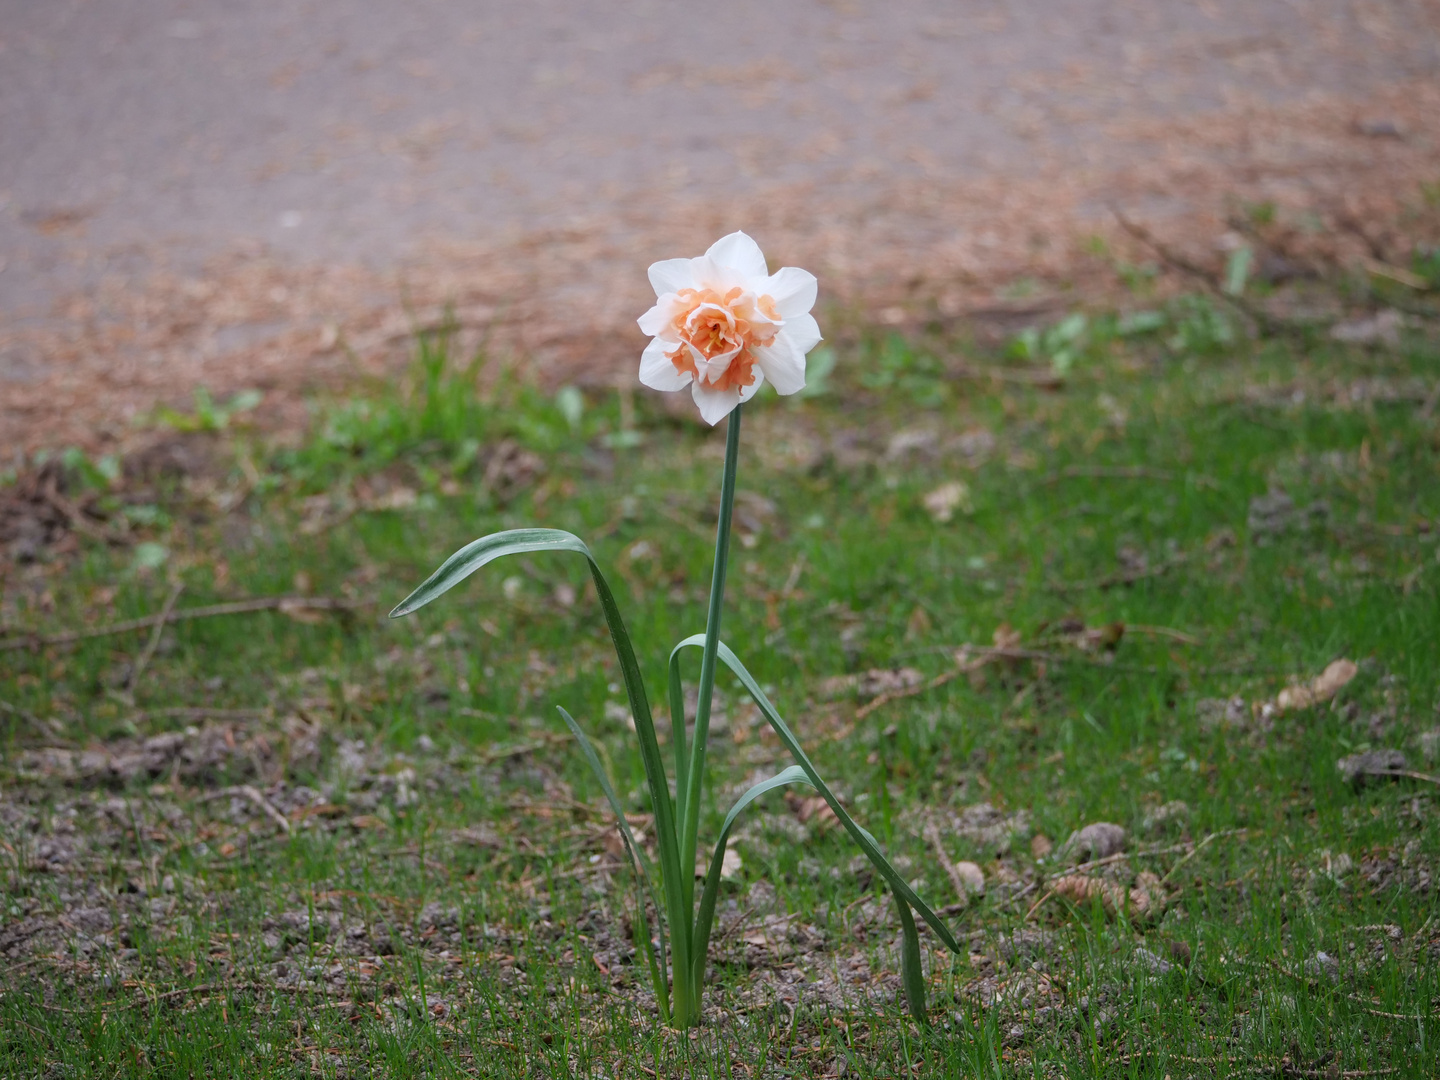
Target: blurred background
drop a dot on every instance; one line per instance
(259, 195)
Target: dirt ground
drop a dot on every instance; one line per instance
(195, 194)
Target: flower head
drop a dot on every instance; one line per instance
(722, 325)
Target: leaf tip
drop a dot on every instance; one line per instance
(405, 607)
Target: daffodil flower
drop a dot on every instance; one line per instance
(722, 324)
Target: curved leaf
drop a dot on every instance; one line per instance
(867, 843)
(705, 918)
(644, 875)
(518, 541)
(912, 975)
(477, 553)
(676, 691)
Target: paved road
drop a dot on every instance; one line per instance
(354, 129)
(137, 135)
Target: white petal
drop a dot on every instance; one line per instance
(783, 364)
(747, 392)
(803, 332)
(656, 370)
(714, 405)
(738, 252)
(709, 274)
(793, 291)
(672, 275)
(657, 320)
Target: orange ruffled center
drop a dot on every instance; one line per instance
(714, 326)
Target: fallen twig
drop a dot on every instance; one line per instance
(504, 753)
(1127, 577)
(1199, 848)
(154, 643)
(1044, 379)
(1162, 631)
(1038, 905)
(1284, 1068)
(1380, 268)
(1409, 774)
(961, 668)
(253, 794)
(76, 517)
(985, 655)
(234, 607)
(933, 835)
(198, 712)
(1146, 853)
(1111, 472)
(46, 727)
(1258, 315)
(1365, 1004)
(186, 991)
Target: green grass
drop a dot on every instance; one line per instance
(450, 900)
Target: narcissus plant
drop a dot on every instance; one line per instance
(721, 325)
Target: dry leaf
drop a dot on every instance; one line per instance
(918, 625)
(971, 876)
(298, 611)
(1319, 690)
(815, 811)
(871, 683)
(947, 498)
(1006, 637)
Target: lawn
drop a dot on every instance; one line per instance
(1144, 571)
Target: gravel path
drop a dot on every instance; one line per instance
(146, 141)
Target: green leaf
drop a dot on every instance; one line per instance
(912, 975)
(487, 549)
(644, 875)
(571, 404)
(676, 689)
(866, 842)
(1237, 270)
(517, 541)
(705, 918)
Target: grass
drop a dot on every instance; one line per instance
(449, 898)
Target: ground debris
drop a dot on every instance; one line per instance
(1172, 816)
(1145, 901)
(1382, 328)
(1321, 689)
(1215, 713)
(1275, 513)
(1098, 840)
(984, 826)
(203, 755)
(872, 683)
(1374, 765)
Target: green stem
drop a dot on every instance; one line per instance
(694, 780)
